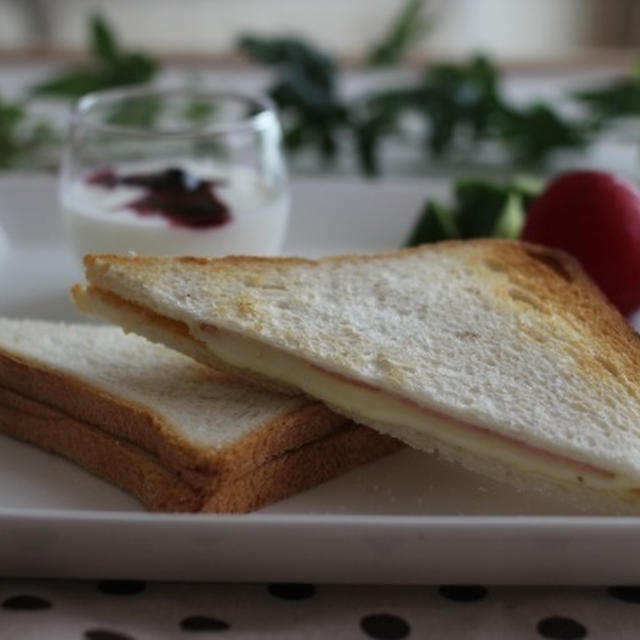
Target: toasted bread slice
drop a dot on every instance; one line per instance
(174, 433)
(500, 355)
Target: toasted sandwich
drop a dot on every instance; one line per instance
(174, 433)
(500, 355)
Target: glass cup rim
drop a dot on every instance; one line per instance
(256, 122)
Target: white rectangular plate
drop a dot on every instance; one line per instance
(407, 518)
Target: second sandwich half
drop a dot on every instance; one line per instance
(176, 434)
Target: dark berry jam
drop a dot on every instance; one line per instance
(178, 195)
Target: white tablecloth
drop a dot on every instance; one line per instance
(135, 610)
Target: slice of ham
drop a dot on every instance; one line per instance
(308, 377)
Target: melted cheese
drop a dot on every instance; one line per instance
(398, 416)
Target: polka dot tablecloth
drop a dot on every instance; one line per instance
(135, 610)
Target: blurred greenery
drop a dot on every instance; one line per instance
(199, 110)
(453, 101)
(451, 110)
(481, 208)
(406, 29)
(617, 99)
(533, 132)
(109, 66)
(23, 138)
(459, 105)
(137, 111)
(305, 90)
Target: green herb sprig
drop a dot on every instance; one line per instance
(453, 101)
(617, 99)
(304, 90)
(109, 66)
(460, 106)
(480, 208)
(22, 137)
(406, 29)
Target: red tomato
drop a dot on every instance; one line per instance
(594, 216)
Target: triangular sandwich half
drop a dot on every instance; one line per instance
(500, 355)
(174, 433)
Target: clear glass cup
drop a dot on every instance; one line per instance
(174, 172)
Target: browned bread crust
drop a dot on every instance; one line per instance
(161, 488)
(104, 455)
(149, 431)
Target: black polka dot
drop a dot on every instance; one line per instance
(105, 634)
(121, 587)
(628, 594)
(462, 593)
(25, 602)
(203, 623)
(561, 628)
(291, 591)
(385, 626)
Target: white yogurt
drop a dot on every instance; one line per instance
(98, 220)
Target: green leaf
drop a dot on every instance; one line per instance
(527, 187)
(21, 137)
(131, 68)
(304, 90)
(511, 219)
(441, 124)
(612, 101)
(102, 41)
(434, 224)
(198, 110)
(70, 84)
(479, 204)
(406, 30)
(315, 65)
(457, 102)
(481, 208)
(11, 114)
(295, 135)
(140, 111)
(534, 132)
(368, 136)
(374, 119)
(109, 67)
